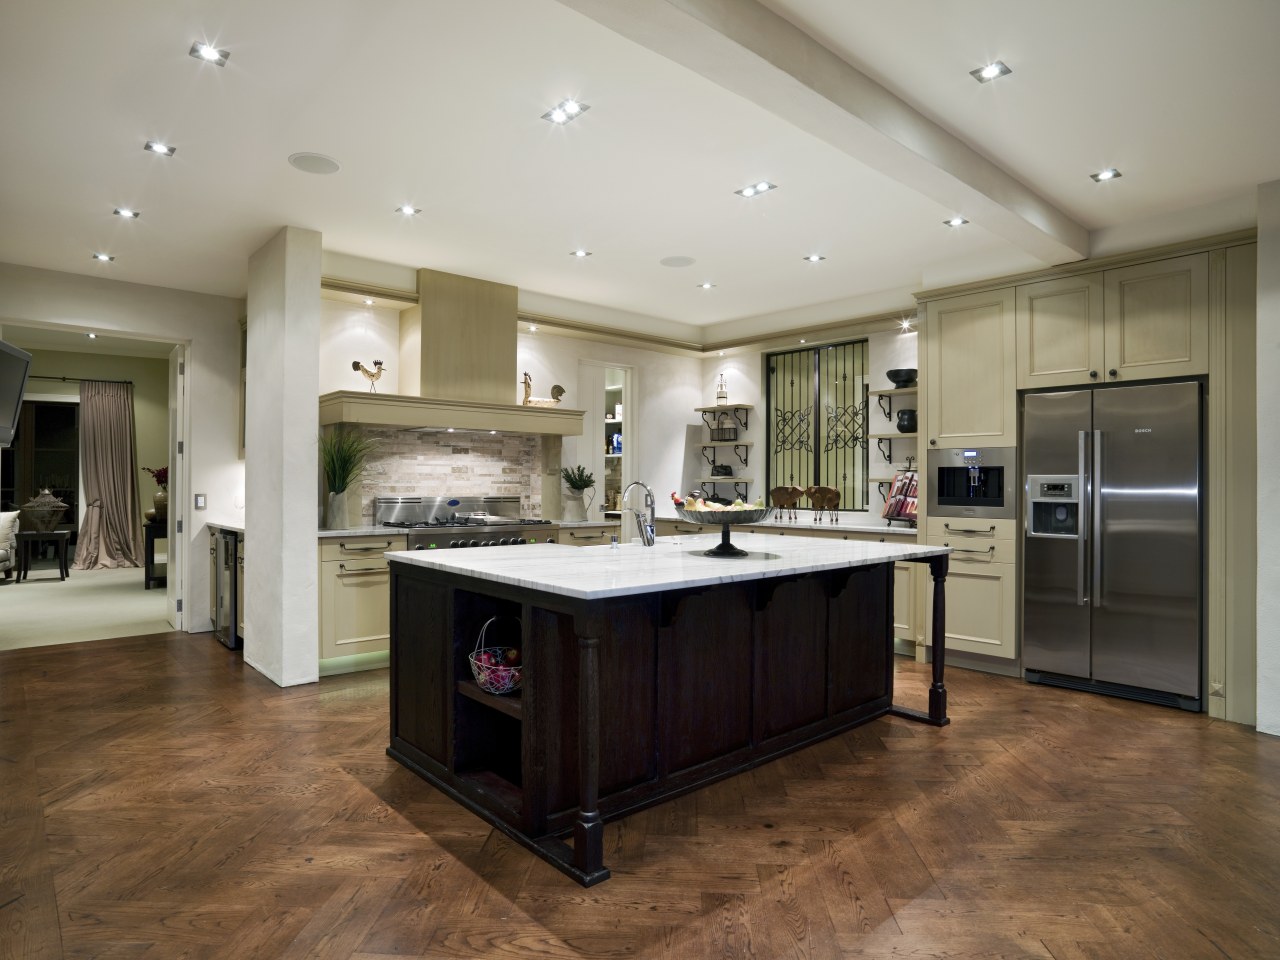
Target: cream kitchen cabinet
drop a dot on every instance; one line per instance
(355, 597)
(1132, 323)
(970, 370)
(1060, 333)
(1157, 319)
(240, 585)
(982, 585)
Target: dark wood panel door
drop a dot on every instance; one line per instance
(791, 672)
(706, 675)
(420, 683)
(861, 625)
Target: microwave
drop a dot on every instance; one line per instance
(973, 482)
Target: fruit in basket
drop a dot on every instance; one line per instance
(512, 657)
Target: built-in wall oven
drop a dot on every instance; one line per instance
(973, 482)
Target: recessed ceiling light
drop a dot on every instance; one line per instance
(448, 429)
(722, 353)
(127, 213)
(103, 257)
(408, 209)
(956, 222)
(92, 336)
(804, 341)
(757, 188)
(989, 72)
(155, 146)
(566, 110)
(368, 302)
(314, 163)
(705, 286)
(533, 328)
(492, 432)
(1111, 173)
(905, 322)
(209, 53)
(814, 258)
(580, 253)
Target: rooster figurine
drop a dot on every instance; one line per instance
(370, 375)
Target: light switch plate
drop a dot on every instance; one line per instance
(201, 500)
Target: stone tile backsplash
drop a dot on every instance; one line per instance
(408, 463)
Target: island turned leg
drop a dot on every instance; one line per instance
(937, 715)
(588, 830)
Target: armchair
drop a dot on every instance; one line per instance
(8, 542)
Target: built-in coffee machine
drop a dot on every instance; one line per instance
(973, 482)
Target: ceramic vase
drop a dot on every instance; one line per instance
(161, 501)
(906, 421)
(335, 512)
(573, 509)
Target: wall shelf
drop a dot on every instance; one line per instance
(740, 411)
(740, 447)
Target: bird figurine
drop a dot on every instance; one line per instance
(557, 392)
(370, 375)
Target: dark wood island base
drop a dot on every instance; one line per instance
(627, 701)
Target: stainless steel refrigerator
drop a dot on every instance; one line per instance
(1113, 570)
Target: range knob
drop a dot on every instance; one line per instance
(519, 540)
(456, 543)
(503, 542)
(421, 546)
(474, 543)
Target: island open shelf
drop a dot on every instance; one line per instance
(647, 672)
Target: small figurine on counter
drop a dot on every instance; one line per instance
(557, 392)
(370, 375)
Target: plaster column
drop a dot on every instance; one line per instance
(1268, 359)
(281, 430)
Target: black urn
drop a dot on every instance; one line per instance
(906, 421)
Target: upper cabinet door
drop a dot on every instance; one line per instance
(970, 378)
(1060, 340)
(1157, 319)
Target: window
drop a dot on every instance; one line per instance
(817, 424)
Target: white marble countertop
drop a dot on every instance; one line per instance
(237, 526)
(848, 523)
(594, 573)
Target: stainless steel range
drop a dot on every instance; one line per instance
(432, 523)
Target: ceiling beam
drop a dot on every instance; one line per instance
(749, 50)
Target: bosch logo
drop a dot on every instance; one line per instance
(1141, 429)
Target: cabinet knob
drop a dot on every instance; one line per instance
(1111, 372)
(1093, 374)
(933, 443)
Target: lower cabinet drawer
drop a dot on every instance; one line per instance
(355, 607)
(587, 537)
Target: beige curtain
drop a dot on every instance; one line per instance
(109, 533)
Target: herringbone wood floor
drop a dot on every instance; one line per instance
(160, 800)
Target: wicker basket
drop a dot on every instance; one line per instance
(724, 433)
(490, 665)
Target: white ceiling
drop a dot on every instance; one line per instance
(438, 103)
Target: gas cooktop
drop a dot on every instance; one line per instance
(459, 522)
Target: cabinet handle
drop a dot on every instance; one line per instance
(947, 527)
(343, 546)
(585, 536)
(990, 549)
(679, 529)
(933, 443)
(344, 572)
(1093, 374)
(1111, 372)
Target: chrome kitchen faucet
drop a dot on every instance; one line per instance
(646, 528)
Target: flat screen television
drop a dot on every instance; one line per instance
(15, 364)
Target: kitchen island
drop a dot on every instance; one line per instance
(647, 672)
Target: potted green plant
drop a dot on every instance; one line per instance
(578, 481)
(343, 454)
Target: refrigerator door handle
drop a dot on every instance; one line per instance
(1096, 509)
(1082, 536)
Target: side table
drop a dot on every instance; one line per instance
(27, 538)
(154, 530)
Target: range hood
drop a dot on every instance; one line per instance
(458, 345)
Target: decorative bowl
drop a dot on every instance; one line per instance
(903, 377)
(726, 519)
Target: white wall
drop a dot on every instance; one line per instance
(892, 350)
(210, 326)
(1268, 359)
(664, 390)
(351, 331)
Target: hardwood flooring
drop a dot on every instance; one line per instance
(160, 800)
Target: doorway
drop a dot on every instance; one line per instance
(101, 603)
